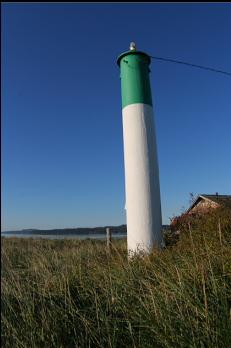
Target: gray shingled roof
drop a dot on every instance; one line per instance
(224, 200)
(221, 199)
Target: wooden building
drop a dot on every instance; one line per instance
(201, 205)
(205, 202)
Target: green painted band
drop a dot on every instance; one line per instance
(134, 73)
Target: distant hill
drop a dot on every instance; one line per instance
(78, 230)
(70, 231)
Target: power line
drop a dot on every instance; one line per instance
(194, 65)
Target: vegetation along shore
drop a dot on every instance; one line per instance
(74, 293)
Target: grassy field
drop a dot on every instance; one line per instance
(71, 293)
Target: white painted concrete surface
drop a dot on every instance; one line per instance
(143, 206)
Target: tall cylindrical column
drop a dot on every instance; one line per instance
(143, 207)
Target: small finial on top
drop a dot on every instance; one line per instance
(132, 46)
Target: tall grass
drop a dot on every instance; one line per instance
(73, 293)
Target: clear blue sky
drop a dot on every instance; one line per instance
(62, 141)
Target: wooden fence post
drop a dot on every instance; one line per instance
(109, 239)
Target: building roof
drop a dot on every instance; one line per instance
(224, 200)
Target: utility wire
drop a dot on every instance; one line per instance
(194, 65)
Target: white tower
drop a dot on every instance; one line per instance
(143, 207)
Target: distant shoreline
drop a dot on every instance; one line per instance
(74, 231)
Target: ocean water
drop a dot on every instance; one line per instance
(63, 236)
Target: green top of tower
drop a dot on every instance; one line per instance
(132, 52)
(134, 73)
